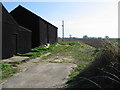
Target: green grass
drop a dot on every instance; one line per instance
(78, 51)
(6, 71)
(37, 52)
(32, 54)
(68, 43)
(77, 70)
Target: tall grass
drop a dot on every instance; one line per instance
(103, 72)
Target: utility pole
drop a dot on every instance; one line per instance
(62, 30)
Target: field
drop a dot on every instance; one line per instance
(97, 62)
(92, 42)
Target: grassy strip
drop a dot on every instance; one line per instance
(82, 54)
(6, 71)
(77, 71)
(36, 52)
(78, 51)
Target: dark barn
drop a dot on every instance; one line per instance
(22, 29)
(43, 31)
(39, 26)
(15, 39)
(0, 31)
(52, 34)
(28, 20)
(24, 40)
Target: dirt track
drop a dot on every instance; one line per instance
(41, 75)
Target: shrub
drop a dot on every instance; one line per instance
(103, 72)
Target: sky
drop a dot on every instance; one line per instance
(94, 19)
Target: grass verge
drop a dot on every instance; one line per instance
(78, 51)
(6, 71)
(38, 51)
(103, 72)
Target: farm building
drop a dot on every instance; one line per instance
(42, 31)
(15, 38)
(52, 34)
(0, 31)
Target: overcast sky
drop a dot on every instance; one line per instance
(94, 19)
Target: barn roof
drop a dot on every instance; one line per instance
(21, 7)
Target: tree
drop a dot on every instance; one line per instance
(85, 36)
(107, 37)
(99, 37)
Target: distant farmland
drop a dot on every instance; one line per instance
(92, 42)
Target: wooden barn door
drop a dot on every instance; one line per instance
(14, 42)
